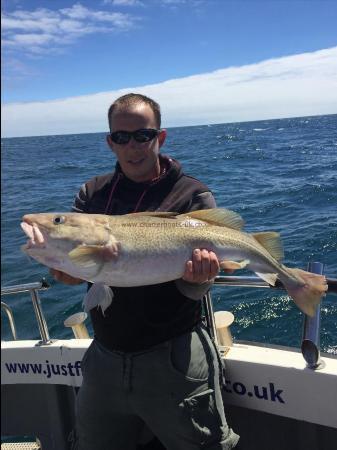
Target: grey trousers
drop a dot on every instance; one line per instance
(173, 389)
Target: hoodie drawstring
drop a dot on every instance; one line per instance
(153, 182)
(119, 176)
(140, 199)
(111, 192)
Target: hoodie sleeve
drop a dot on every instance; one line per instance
(205, 200)
(81, 200)
(195, 291)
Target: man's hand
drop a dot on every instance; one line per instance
(203, 267)
(64, 277)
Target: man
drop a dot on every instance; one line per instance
(151, 361)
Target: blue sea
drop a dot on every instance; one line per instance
(278, 174)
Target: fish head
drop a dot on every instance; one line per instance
(52, 236)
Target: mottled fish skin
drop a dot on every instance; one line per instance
(152, 249)
(149, 248)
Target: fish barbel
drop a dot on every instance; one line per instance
(146, 248)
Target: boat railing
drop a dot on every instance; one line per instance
(310, 345)
(11, 321)
(33, 289)
(311, 325)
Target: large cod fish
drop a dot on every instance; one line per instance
(152, 247)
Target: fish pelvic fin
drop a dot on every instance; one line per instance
(216, 216)
(309, 291)
(271, 241)
(98, 295)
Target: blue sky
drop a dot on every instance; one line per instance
(54, 50)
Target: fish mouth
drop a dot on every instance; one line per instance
(34, 234)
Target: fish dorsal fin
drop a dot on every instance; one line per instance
(271, 241)
(217, 216)
(164, 214)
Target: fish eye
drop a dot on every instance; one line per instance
(58, 220)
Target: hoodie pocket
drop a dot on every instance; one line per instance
(188, 357)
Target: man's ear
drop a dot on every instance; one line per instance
(110, 143)
(161, 137)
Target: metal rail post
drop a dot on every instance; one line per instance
(41, 321)
(10, 316)
(33, 288)
(311, 329)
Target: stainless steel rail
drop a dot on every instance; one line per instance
(248, 281)
(311, 329)
(254, 281)
(311, 325)
(38, 286)
(33, 289)
(10, 316)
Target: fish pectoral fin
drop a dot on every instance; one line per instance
(216, 216)
(234, 265)
(91, 255)
(85, 256)
(271, 241)
(269, 278)
(98, 295)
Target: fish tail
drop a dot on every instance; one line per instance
(308, 291)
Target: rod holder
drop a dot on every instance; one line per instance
(311, 329)
(76, 322)
(223, 320)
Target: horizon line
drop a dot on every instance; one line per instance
(172, 127)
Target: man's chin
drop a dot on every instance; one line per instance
(138, 173)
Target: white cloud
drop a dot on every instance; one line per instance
(123, 2)
(297, 85)
(42, 30)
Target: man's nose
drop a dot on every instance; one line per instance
(133, 144)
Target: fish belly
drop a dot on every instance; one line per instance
(144, 270)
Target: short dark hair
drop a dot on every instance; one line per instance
(125, 101)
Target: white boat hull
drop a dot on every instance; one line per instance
(271, 380)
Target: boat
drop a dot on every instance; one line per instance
(276, 398)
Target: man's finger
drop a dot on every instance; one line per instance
(205, 263)
(188, 274)
(197, 268)
(214, 265)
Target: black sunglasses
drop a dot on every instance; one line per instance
(142, 135)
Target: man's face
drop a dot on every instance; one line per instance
(139, 161)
